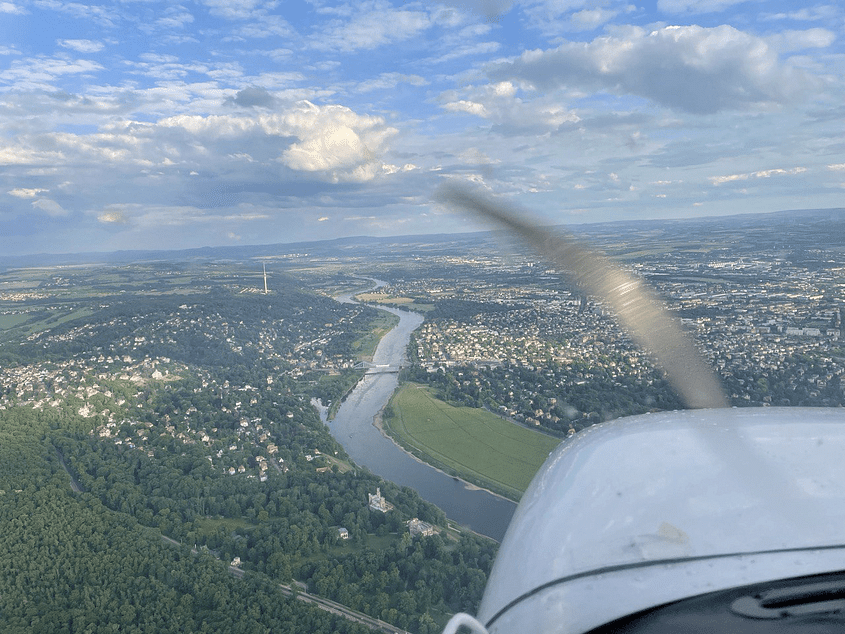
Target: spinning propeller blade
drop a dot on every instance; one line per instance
(637, 308)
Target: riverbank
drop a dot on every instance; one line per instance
(429, 434)
(378, 423)
(472, 507)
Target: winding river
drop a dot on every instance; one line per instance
(353, 427)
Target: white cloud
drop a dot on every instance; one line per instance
(95, 13)
(466, 50)
(81, 46)
(26, 193)
(15, 155)
(491, 10)
(730, 178)
(334, 142)
(235, 9)
(267, 26)
(821, 12)
(592, 18)
(470, 107)
(371, 26)
(175, 17)
(39, 72)
(800, 40)
(12, 8)
(337, 143)
(500, 103)
(50, 207)
(112, 218)
(695, 6)
(691, 68)
(390, 80)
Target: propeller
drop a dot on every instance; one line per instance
(638, 309)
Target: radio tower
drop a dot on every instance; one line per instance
(264, 266)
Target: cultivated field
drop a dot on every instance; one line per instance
(471, 443)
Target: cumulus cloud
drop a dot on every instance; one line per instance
(252, 96)
(500, 103)
(470, 107)
(689, 68)
(26, 193)
(332, 141)
(337, 142)
(15, 155)
(112, 218)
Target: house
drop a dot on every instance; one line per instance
(418, 528)
(343, 533)
(378, 503)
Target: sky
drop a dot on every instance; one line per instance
(141, 124)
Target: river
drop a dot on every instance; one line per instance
(353, 428)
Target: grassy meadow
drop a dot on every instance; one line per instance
(467, 442)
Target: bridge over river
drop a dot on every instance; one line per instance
(378, 368)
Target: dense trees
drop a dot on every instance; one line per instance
(70, 564)
(559, 397)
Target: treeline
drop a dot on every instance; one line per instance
(560, 397)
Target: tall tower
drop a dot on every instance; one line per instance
(264, 266)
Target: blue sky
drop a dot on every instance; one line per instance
(138, 124)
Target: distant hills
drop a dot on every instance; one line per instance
(823, 226)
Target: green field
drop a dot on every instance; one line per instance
(471, 443)
(365, 346)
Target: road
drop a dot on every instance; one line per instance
(320, 602)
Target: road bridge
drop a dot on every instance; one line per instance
(377, 368)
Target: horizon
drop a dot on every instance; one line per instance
(8, 260)
(139, 126)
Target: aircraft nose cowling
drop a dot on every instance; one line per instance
(651, 509)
